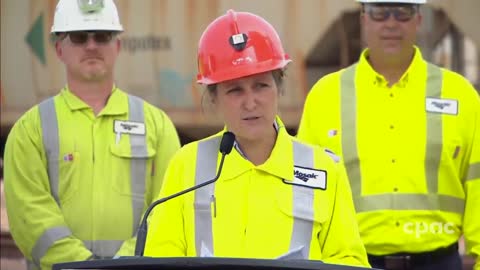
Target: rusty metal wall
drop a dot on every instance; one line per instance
(158, 61)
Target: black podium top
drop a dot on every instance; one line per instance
(196, 263)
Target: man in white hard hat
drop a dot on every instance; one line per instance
(409, 134)
(81, 167)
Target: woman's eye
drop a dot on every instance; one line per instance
(261, 85)
(233, 90)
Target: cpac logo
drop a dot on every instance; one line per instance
(421, 228)
(128, 127)
(304, 176)
(440, 105)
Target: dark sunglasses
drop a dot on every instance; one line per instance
(81, 37)
(381, 13)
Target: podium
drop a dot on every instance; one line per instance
(198, 263)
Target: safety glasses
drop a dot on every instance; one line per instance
(381, 13)
(81, 37)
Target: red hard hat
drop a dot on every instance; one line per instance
(236, 45)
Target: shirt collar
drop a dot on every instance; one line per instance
(72, 101)
(367, 71)
(237, 146)
(117, 103)
(280, 162)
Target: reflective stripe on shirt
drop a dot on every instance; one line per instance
(473, 172)
(46, 240)
(48, 118)
(430, 201)
(138, 166)
(302, 199)
(50, 133)
(103, 248)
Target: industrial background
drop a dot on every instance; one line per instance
(158, 61)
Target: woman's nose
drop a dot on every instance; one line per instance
(250, 101)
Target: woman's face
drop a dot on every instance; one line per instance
(248, 105)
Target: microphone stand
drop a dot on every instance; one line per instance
(143, 228)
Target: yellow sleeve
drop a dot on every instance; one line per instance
(320, 122)
(306, 130)
(341, 243)
(166, 236)
(471, 217)
(36, 222)
(168, 144)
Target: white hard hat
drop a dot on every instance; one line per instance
(85, 15)
(393, 1)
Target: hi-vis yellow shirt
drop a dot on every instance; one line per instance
(275, 210)
(77, 184)
(412, 153)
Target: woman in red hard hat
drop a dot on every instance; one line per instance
(276, 197)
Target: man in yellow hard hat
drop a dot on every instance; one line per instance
(81, 167)
(409, 135)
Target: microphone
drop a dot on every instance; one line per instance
(226, 146)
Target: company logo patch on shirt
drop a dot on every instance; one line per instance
(68, 157)
(439, 105)
(308, 177)
(332, 133)
(128, 127)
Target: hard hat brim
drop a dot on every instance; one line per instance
(240, 72)
(86, 28)
(392, 1)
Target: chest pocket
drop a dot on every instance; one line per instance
(69, 169)
(301, 206)
(308, 216)
(132, 159)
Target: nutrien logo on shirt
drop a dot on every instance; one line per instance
(304, 176)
